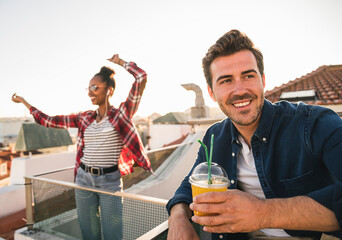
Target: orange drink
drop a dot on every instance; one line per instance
(199, 185)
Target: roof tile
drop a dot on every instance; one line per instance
(325, 80)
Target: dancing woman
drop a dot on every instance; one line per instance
(108, 144)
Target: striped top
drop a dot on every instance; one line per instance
(102, 144)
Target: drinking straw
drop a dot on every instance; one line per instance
(205, 149)
(210, 158)
(207, 157)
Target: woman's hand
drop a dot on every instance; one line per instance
(115, 59)
(18, 99)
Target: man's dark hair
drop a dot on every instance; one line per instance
(230, 43)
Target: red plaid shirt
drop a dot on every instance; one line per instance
(121, 118)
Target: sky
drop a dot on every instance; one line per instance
(50, 49)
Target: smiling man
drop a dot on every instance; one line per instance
(238, 87)
(284, 160)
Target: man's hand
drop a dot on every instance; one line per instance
(235, 211)
(179, 224)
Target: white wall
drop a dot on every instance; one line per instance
(166, 133)
(29, 166)
(12, 197)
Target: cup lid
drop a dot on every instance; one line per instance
(200, 173)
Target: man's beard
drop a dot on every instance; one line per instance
(249, 97)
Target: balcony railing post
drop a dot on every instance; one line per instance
(29, 210)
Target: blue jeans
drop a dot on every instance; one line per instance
(99, 215)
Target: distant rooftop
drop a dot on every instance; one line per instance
(16, 119)
(172, 117)
(320, 87)
(33, 136)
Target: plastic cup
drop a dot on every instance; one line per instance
(199, 181)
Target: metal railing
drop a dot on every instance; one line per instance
(50, 202)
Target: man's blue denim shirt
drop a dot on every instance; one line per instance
(297, 150)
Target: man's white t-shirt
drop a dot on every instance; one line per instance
(248, 181)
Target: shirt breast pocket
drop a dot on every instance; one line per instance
(301, 185)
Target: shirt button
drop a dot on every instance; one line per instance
(264, 139)
(232, 181)
(221, 236)
(233, 154)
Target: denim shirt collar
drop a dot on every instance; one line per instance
(264, 127)
(266, 121)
